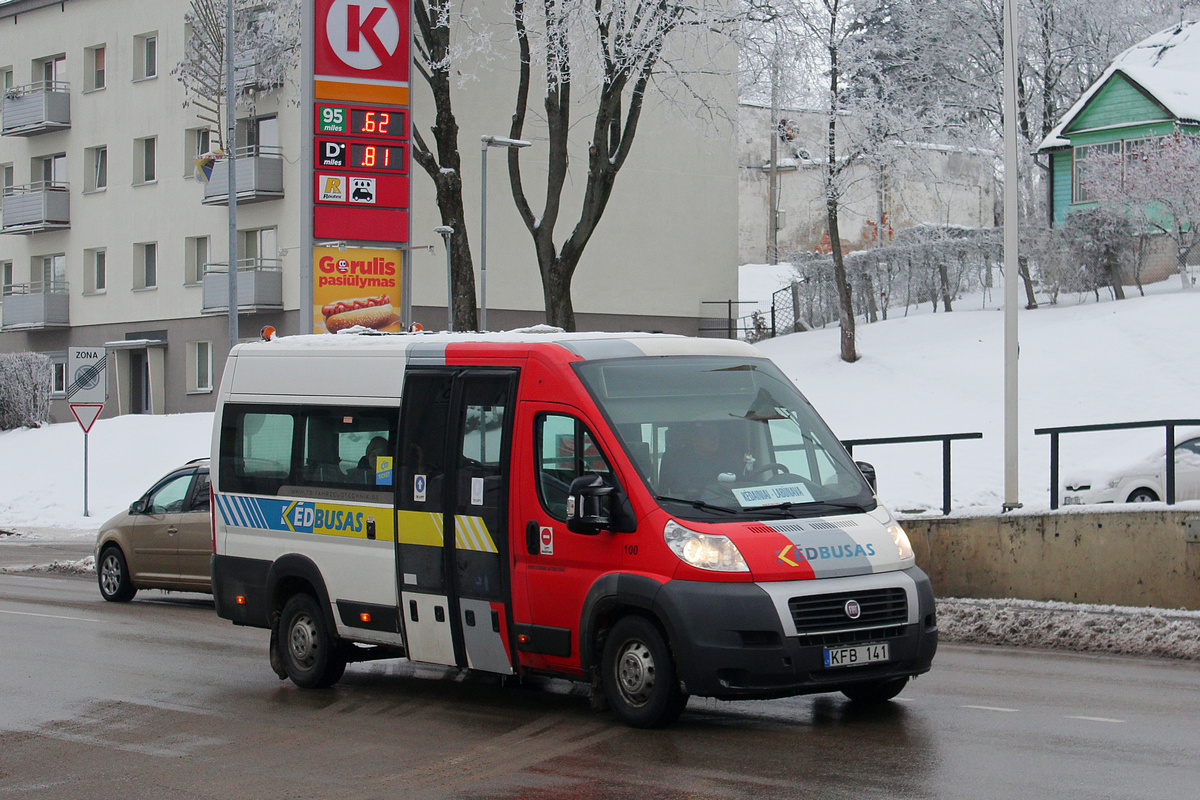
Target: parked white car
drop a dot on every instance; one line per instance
(1143, 482)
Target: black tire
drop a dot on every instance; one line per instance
(875, 692)
(112, 573)
(309, 653)
(638, 674)
(1142, 495)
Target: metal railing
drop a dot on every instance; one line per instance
(731, 326)
(36, 87)
(35, 287)
(20, 189)
(944, 438)
(1169, 424)
(245, 265)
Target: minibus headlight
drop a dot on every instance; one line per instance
(903, 545)
(704, 550)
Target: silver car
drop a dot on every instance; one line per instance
(164, 540)
(1143, 482)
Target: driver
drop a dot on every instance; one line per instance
(699, 457)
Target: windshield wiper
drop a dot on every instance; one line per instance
(700, 504)
(813, 508)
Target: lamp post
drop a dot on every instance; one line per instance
(446, 231)
(486, 142)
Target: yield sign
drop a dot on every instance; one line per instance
(86, 414)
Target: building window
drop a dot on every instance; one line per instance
(145, 153)
(97, 270)
(256, 245)
(96, 177)
(50, 170)
(197, 143)
(145, 260)
(6, 278)
(6, 179)
(58, 380)
(51, 271)
(6, 78)
(94, 60)
(195, 257)
(50, 71)
(199, 367)
(145, 54)
(260, 135)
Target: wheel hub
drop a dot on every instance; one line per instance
(635, 673)
(302, 640)
(110, 574)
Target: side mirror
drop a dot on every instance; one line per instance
(138, 506)
(589, 505)
(868, 472)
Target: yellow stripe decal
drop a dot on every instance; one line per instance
(471, 533)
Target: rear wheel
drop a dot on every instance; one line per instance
(638, 674)
(874, 692)
(1142, 495)
(306, 648)
(113, 575)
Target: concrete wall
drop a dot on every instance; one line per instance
(1132, 558)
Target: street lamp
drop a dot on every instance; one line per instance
(446, 231)
(486, 142)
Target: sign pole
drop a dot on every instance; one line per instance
(85, 473)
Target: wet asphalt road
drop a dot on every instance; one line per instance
(159, 698)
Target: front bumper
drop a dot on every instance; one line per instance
(737, 641)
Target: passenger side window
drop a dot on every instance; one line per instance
(170, 496)
(565, 449)
(345, 445)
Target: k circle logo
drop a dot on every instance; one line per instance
(362, 33)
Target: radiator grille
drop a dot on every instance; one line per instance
(821, 619)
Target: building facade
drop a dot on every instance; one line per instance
(1148, 93)
(109, 238)
(926, 184)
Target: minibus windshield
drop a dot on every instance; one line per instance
(712, 435)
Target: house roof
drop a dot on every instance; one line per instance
(1164, 65)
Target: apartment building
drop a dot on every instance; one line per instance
(107, 236)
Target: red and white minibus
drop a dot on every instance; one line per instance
(660, 515)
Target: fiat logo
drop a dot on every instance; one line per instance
(853, 610)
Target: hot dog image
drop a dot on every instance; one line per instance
(370, 312)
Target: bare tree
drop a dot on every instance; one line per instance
(266, 55)
(1156, 182)
(436, 55)
(612, 52)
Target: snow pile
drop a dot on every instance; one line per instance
(41, 469)
(1067, 626)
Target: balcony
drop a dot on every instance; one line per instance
(35, 306)
(42, 107)
(259, 177)
(259, 286)
(36, 208)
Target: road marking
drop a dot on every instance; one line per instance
(1098, 719)
(993, 708)
(47, 616)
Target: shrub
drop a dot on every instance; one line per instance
(24, 390)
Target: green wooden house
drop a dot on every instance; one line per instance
(1150, 90)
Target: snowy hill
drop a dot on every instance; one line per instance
(1138, 359)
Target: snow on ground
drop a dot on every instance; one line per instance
(41, 470)
(1081, 362)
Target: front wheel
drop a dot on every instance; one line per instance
(306, 648)
(113, 575)
(875, 692)
(638, 674)
(1142, 495)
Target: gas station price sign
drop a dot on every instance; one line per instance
(361, 121)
